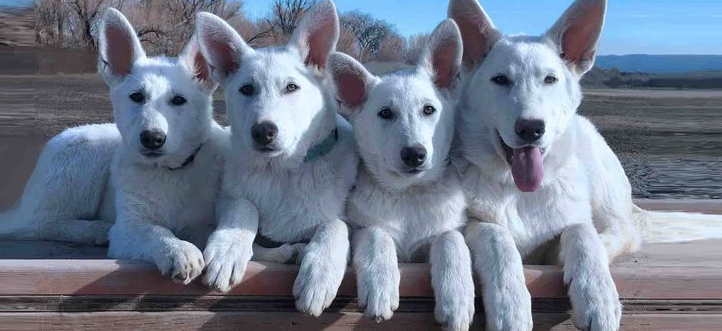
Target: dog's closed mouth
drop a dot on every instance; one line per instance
(414, 171)
(266, 149)
(152, 155)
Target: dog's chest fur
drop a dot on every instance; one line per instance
(534, 219)
(292, 202)
(414, 216)
(181, 200)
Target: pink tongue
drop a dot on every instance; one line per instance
(527, 168)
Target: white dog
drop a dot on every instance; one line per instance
(166, 173)
(408, 201)
(541, 180)
(292, 160)
(67, 197)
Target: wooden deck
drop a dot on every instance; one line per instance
(46, 285)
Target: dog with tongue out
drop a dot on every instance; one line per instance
(542, 184)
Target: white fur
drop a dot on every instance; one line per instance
(584, 189)
(67, 197)
(276, 193)
(408, 216)
(165, 210)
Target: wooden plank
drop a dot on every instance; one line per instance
(214, 303)
(113, 277)
(685, 205)
(210, 321)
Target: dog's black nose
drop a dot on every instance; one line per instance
(413, 156)
(529, 130)
(264, 133)
(152, 139)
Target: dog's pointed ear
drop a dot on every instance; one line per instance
(477, 30)
(442, 54)
(350, 80)
(192, 58)
(316, 35)
(118, 46)
(221, 46)
(576, 34)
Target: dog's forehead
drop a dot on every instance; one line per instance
(517, 54)
(159, 75)
(271, 62)
(406, 88)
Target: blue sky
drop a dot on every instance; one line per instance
(633, 26)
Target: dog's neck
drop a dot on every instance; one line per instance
(418, 188)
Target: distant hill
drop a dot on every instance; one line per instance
(660, 64)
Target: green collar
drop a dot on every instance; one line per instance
(322, 148)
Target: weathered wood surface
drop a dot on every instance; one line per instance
(59, 286)
(690, 270)
(686, 205)
(281, 321)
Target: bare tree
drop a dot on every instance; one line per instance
(49, 23)
(280, 24)
(392, 49)
(86, 12)
(163, 26)
(414, 46)
(370, 32)
(347, 43)
(69, 23)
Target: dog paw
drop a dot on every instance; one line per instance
(315, 287)
(379, 297)
(300, 249)
(595, 303)
(508, 308)
(455, 314)
(227, 262)
(98, 232)
(183, 262)
(286, 253)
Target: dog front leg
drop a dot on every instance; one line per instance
(452, 280)
(377, 272)
(90, 232)
(498, 264)
(140, 240)
(322, 268)
(594, 297)
(286, 253)
(230, 246)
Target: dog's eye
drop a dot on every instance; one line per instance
(428, 110)
(386, 114)
(501, 80)
(550, 79)
(137, 97)
(248, 90)
(178, 100)
(290, 88)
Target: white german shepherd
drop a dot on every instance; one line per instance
(166, 173)
(541, 180)
(408, 201)
(68, 196)
(292, 160)
(162, 107)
